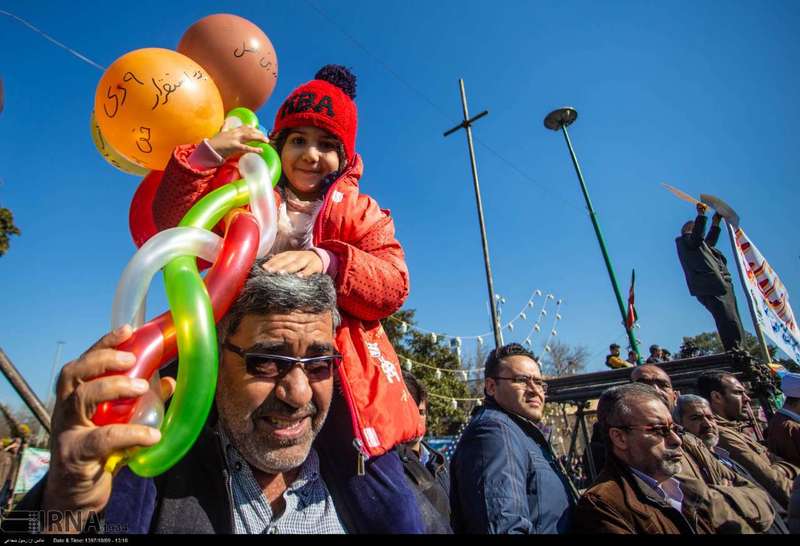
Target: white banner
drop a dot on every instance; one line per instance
(33, 467)
(769, 296)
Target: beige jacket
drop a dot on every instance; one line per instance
(771, 472)
(734, 501)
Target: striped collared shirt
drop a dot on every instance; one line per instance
(669, 490)
(309, 506)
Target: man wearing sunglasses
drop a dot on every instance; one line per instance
(637, 491)
(729, 402)
(263, 464)
(736, 502)
(504, 477)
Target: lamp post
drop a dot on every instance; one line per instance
(561, 119)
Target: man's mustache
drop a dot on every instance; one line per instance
(673, 454)
(272, 407)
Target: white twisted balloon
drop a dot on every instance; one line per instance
(158, 251)
(262, 199)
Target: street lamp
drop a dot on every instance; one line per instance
(561, 119)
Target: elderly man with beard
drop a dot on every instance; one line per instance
(504, 477)
(738, 504)
(637, 491)
(256, 467)
(694, 414)
(729, 400)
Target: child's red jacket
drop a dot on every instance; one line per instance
(371, 284)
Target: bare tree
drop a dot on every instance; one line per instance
(563, 359)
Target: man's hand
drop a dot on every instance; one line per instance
(77, 480)
(302, 262)
(234, 141)
(701, 207)
(716, 219)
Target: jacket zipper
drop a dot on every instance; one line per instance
(362, 456)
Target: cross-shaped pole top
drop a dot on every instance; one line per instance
(467, 121)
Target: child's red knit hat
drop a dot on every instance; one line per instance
(325, 102)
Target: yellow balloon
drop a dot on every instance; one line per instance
(111, 155)
(151, 100)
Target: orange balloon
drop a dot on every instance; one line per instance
(151, 100)
(238, 56)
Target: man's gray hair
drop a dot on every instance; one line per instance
(265, 293)
(615, 406)
(683, 401)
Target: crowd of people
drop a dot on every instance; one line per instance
(279, 453)
(668, 463)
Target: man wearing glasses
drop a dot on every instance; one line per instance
(256, 467)
(637, 492)
(729, 403)
(735, 500)
(504, 477)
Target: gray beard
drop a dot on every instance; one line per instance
(276, 458)
(671, 468)
(710, 441)
(273, 460)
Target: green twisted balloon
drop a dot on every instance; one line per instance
(196, 334)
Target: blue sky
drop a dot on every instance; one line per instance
(701, 95)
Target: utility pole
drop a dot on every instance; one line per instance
(561, 119)
(467, 124)
(24, 390)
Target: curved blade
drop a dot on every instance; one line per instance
(681, 195)
(722, 208)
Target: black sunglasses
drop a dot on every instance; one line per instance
(267, 366)
(661, 430)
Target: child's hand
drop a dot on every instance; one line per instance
(302, 262)
(234, 141)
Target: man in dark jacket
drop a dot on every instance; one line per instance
(707, 275)
(259, 465)
(504, 476)
(426, 469)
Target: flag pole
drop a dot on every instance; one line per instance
(762, 342)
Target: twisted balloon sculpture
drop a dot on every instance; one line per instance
(195, 305)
